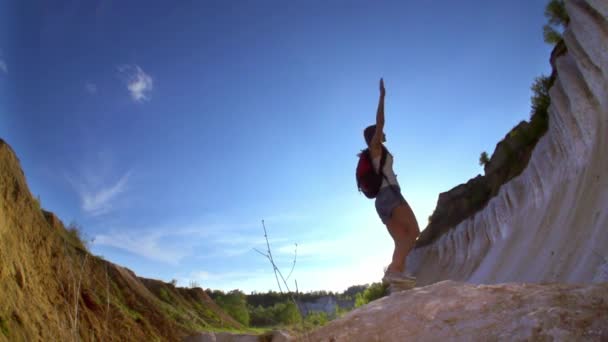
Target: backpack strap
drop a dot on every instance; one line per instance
(382, 161)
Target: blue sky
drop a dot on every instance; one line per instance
(169, 130)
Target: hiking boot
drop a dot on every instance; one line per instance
(398, 278)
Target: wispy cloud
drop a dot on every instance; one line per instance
(97, 196)
(100, 201)
(170, 243)
(148, 245)
(3, 66)
(90, 87)
(138, 82)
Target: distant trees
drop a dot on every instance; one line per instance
(280, 313)
(274, 308)
(558, 20)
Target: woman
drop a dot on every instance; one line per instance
(392, 208)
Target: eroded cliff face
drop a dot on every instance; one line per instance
(550, 223)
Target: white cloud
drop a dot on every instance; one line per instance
(170, 243)
(91, 87)
(148, 245)
(137, 81)
(98, 198)
(3, 66)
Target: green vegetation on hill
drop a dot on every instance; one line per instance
(276, 309)
(234, 303)
(53, 289)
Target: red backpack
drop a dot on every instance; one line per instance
(368, 180)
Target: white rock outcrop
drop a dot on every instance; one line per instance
(450, 311)
(549, 224)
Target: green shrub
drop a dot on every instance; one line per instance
(540, 95)
(284, 313)
(555, 11)
(551, 35)
(373, 292)
(288, 313)
(235, 304)
(261, 316)
(483, 159)
(316, 319)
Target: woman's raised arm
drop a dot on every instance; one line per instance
(376, 143)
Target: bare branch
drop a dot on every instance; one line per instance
(266, 255)
(271, 258)
(295, 256)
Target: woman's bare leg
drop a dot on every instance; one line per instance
(404, 230)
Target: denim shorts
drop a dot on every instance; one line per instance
(388, 199)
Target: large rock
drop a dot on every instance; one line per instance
(550, 223)
(451, 311)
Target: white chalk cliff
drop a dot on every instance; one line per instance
(549, 224)
(525, 266)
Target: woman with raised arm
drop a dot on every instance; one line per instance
(393, 209)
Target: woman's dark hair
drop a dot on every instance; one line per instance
(368, 133)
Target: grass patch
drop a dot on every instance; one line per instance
(164, 295)
(136, 316)
(4, 327)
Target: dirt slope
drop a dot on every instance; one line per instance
(52, 289)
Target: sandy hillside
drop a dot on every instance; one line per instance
(52, 289)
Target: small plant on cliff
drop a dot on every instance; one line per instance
(76, 237)
(164, 295)
(558, 20)
(540, 95)
(4, 327)
(484, 159)
(37, 202)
